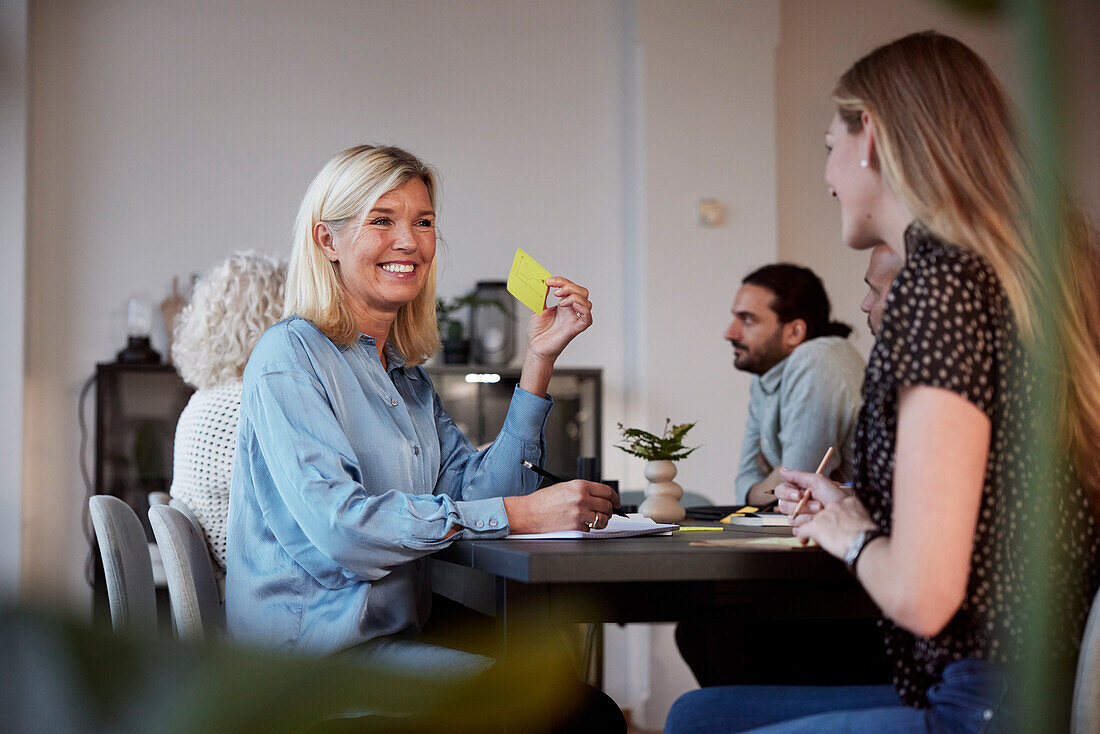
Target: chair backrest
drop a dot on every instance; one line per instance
(1086, 690)
(191, 587)
(159, 498)
(126, 565)
(188, 513)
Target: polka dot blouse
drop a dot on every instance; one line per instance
(948, 324)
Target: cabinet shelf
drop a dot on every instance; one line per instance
(477, 397)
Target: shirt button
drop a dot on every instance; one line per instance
(416, 451)
(493, 522)
(393, 402)
(987, 714)
(480, 523)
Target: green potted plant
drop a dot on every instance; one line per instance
(452, 331)
(663, 495)
(452, 327)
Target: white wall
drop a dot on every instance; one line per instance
(13, 237)
(708, 131)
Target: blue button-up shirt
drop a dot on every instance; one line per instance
(346, 475)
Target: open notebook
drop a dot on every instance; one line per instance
(617, 527)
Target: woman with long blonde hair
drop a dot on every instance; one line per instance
(924, 158)
(349, 471)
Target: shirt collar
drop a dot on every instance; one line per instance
(773, 378)
(394, 359)
(916, 234)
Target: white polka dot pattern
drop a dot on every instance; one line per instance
(202, 465)
(948, 324)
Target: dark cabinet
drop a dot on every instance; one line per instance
(477, 398)
(137, 407)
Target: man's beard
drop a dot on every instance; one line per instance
(769, 355)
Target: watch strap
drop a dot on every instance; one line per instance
(860, 542)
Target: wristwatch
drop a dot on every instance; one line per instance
(858, 543)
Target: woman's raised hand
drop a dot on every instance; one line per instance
(548, 332)
(574, 505)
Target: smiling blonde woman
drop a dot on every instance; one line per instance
(349, 470)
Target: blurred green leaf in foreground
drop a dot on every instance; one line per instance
(59, 676)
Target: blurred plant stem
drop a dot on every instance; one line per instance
(1042, 676)
(1042, 679)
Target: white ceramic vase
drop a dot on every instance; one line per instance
(662, 495)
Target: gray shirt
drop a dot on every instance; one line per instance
(799, 408)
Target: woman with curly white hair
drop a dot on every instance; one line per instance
(233, 304)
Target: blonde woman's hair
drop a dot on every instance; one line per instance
(232, 305)
(946, 143)
(343, 193)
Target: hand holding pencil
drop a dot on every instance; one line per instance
(832, 513)
(806, 496)
(803, 492)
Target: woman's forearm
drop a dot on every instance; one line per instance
(921, 574)
(535, 377)
(906, 595)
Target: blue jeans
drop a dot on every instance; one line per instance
(970, 698)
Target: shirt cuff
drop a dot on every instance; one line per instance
(527, 415)
(482, 518)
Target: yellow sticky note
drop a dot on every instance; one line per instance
(747, 509)
(527, 281)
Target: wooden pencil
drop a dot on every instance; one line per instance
(806, 497)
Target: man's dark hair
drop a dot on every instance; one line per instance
(799, 294)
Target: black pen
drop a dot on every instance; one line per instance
(555, 479)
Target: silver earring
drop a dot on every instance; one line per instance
(863, 164)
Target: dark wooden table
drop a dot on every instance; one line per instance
(645, 579)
